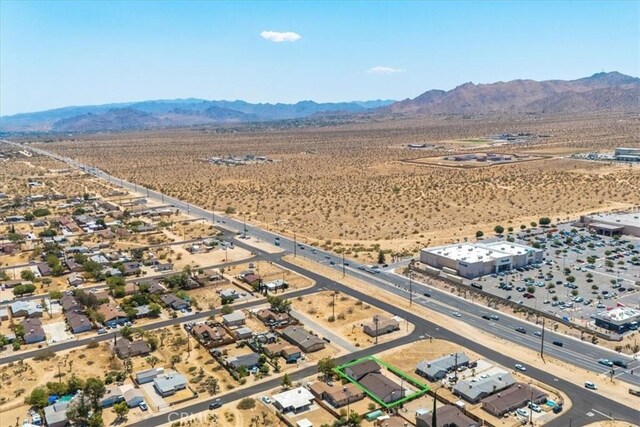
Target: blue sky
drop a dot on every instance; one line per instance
(57, 53)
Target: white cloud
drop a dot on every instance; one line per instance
(279, 37)
(381, 69)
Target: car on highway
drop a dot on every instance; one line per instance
(521, 329)
(605, 362)
(486, 317)
(494, 317)
(520, 367)
(590, 385)
(620, 363)
(558, 343)
(215, 404)
(456, 314)
(427, 294)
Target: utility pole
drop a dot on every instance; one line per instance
(376, 319)
(434, 423)
(295, 245)
(530, 406)
(343, 268)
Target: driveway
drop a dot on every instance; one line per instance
(56, 332)
(152, 398)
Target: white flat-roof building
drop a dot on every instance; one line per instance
(619, 319)
(473, 260)
(627, 154)
(613, 224)
(295, 400)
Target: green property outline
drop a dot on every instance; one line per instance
(423, 388)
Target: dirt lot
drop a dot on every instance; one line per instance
(231, 416)
(346, 187)
(617, 390)
(350, 315)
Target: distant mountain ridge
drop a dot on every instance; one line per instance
(171, 113)
(600, 92)
(611, 91)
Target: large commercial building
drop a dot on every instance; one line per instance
(613, 224)
(619, 319)
(627, 154)
(473, 260)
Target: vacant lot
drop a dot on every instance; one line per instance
(346, 187)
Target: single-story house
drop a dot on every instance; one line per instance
(337, 395)
(113, 272)
(142, 311)
(168, 383)
(211, 336)
(44, 269)
(25, 309)
(269, 317)
(75, 279)
(78, 322)
(69, 303)
(275, 285)
(291, 353)
(483, 387)
(249, 361)
(4, 313)
(73, 266)
(251, 279)
(125, 348)
(381, 325)
(436, 369)
(148, 375)
(295, 400)
(131, 268)
(243, 333)
(447, 415)
(133, 396)
(236, 318)
(113, 315)
(56, 415)
(100, 259)
(33, 331)
(382, 387)
(174, 302)
(112, 395)
(514, 397)
(303, 339)
(357, 371)
(163, 267)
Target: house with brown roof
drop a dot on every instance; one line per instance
(514, 397)
(447, 415)
(170, 300)
(269, 317)
(69, 303)
(381, 325)
(382, 387)
(33, 331)
(125, 348)
(297, 335)
(211, 336)
(78, 322)
(337, 395)
(359, 370)
(113, 314)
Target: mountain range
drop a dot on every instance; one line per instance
(611, 91)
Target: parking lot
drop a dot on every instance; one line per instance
(581, 274)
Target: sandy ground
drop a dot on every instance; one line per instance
(617, 390)
(611, 424)
(350, 315)
(231, 416)
(348, 183)
(270, 272)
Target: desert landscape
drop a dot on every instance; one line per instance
(347, 188)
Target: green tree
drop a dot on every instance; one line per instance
(121, 409)
(152, 361)
(381, 257)
(24, 289)
(534, 224)
(286, 381)
(570, 279)
(544, 220)
(94, 389)
(326, 366)
(38, 397)
(531, 289)
(226, 309)
(498, 229)
(175, 359)
(154, 309)
(479, 234)
(211, 385)
(28, 275)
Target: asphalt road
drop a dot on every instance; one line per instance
(587, 406)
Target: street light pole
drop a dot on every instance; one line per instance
(343, 268)
(410, 291)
